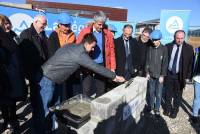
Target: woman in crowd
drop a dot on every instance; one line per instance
(12, 82)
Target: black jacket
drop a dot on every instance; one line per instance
(185, 63)
(12, 81)
(67, 60)
(53, 43)
(34, 51)
(139, 55)
(120, 55)
(6, 50)
(157, 61)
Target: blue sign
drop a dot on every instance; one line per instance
(22, 19)
(171, 21)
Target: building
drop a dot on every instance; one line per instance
(116, 14)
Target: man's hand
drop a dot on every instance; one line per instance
(161, 79)
(113, 70)
(119, 79)
(148, 77)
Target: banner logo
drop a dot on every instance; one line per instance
(20, 21)
(173, 24)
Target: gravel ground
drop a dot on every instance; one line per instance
(180, 125)
(162, 125)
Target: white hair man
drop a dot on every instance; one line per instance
(33, 48)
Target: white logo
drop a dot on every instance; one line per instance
(173, 24)
(20, 21)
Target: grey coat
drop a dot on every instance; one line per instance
(67, 60)
(157, 61)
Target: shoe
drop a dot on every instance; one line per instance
(3, 127)
(173, 115)
(13, 128)
(157, 113)
(166, 113)
(151, 112)
(194, 119)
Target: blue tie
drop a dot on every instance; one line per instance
(175, 61)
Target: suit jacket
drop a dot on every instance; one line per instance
(120, 54)
(185, 63)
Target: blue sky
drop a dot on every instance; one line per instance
(142, 10)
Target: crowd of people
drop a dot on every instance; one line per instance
(62, 65)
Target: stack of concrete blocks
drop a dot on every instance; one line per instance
(118, 111)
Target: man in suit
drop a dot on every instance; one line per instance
(180, 57)
(140, 48)
(123, 53)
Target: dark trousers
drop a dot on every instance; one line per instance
(93, 83)
(38, 112)
(173, 92)
(73, 86)
(9, 112)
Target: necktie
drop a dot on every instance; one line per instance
(126, 48)
(175, 61)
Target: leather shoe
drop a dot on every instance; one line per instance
(194, 120)
(166, 113)
(173, 115)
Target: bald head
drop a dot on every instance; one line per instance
(39, 23)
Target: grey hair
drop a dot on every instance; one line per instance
(100, 16)
(38, 17)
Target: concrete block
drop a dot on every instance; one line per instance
(117, 111)
(131, 92)
(106, 106)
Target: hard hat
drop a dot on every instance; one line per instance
(156, 34)
(64, 18)
(112, 28)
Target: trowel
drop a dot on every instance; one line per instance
(129, 82)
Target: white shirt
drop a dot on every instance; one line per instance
(197, 78)
(172, 57)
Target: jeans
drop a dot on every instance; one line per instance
(50, 93)
(196, 101)
(155, 93)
